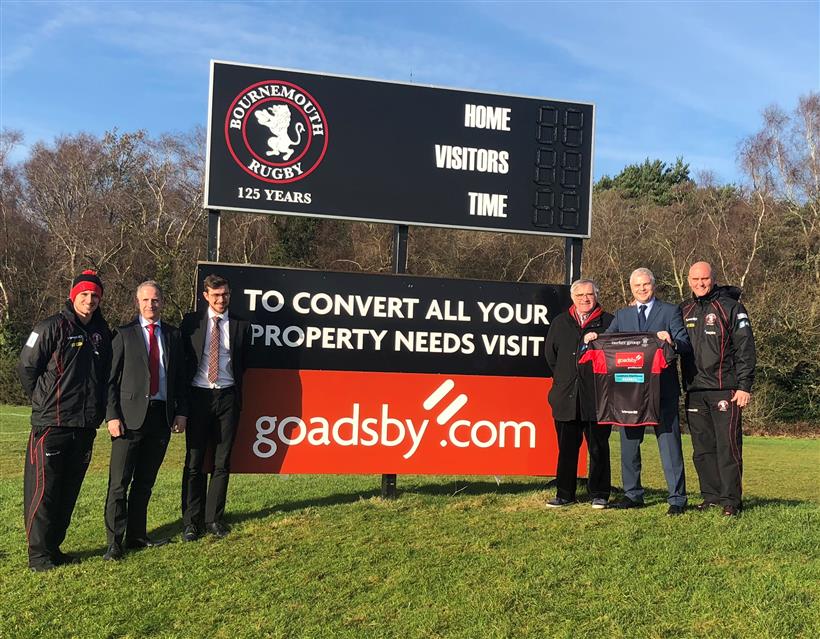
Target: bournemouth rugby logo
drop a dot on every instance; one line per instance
(276, 131)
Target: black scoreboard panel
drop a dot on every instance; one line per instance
(297, 143)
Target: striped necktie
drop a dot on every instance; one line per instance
(213, 353)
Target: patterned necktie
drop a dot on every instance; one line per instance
(213, 353)
(642, 318)
(153, 359)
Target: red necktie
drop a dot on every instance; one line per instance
(213, 353)
(153, 359)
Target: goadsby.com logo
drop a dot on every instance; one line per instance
(389, 430)
(276, 131)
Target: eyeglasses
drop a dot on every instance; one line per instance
(580, 295)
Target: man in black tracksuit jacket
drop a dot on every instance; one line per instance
(718, 377)
(64, 368)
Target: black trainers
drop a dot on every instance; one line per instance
(191, 533)
(626, 502)
(706, 505)
(731, 511)
(64, 559)
(218, 529)
(114, 552)
(559, 502)
(42, 567)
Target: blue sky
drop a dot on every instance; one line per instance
(667, 78)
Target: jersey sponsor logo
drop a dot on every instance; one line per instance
(629, 360)
(743, 324)
(276, 131)
(690, 319)
(629, 378)
(32, 339)
(710, 332)
(629, 412)
(723, 405)
(710, 319)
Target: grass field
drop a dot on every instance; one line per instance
(324, 556)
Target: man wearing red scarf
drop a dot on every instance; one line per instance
(572, 397)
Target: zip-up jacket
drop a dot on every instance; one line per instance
(64, 368)
(723, 347)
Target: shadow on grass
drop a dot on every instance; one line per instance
(455, 488)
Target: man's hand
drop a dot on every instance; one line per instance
(180, 422)
(116, 428)
(589, 337)
(666, 337)
(741, 398)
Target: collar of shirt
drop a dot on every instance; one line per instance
(647, 304)
(222, 316)
(144, 323)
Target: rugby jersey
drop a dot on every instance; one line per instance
(626, 368)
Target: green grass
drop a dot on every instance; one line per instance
(324, 556)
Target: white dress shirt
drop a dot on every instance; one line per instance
(224, 377)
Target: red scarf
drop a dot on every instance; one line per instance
(595, 312)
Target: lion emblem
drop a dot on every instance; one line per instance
(277, 119)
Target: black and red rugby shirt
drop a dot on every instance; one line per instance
(627, 369)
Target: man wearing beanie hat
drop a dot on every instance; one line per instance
(64, 368)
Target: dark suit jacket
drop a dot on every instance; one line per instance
(662, 317)
(194, 327)
(129, 382)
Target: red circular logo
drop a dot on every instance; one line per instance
(276, 131)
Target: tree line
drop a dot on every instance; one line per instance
(130, 205)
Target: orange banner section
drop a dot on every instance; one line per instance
(405, 423)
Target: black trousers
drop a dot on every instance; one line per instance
(213, 420)
(56, 462)
(135, 460)
(570, 436)
(714, 422)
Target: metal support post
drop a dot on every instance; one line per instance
(572, 259)
(399, 267)
(213, 235)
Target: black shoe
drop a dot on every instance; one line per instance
(675, 510)
(218, 529)
(706, 505)
(145, 542)
(559, 502)
(44, 567)
(63, 559)
(731, 511)
(114, 552)
(191, 533)
(626, 502)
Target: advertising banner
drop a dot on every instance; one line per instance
(321, 145)
(365, 373)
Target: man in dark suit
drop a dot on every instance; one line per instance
(216, 344)
(147, 398)
(651, 315)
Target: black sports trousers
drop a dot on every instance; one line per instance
(57, 459)
(714, 422)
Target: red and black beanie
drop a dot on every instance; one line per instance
(88, 280)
